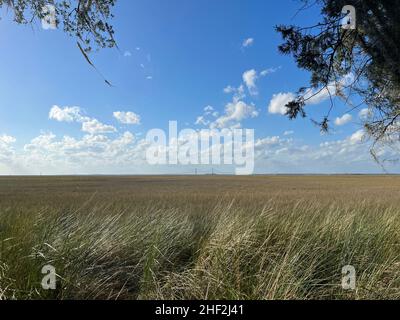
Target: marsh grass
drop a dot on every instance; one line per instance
(229, 249)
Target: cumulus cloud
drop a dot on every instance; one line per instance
(42, 142)
(345, 119)
(229, 89)
(340, 156)
(248, 42)
(238, 93)
(269, 141)
(312, 96)
(277, 105)
(88, 146)
(268, 71)
(127, 117)
(250, 78)
(209, 109)
(235, 112)
(209, 114)
(97, 153)
(66, 114)
(7, 153)
(88, 155)
(127, 53)
(6, 140)
(316, 96)
(285, 155)
(364, 114)
(357, 136)
(49, 21)
(74, 114)
(278, 102)
(94, 126)
(201, 120)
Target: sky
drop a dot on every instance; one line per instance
(204, 63)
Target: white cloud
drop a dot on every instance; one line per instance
(248, 42)
(49, 21)
(66, 114)
(6, 140)
(96, 153)
(280, 155)
(201, 120)
(7, 152)
(312, 96)
(269, 71)
(127, 117)
(268, 141)
(238, 92)
(43, 141)
(90, 154)
(89, 146)
(94, 126)
(364, 114)
(229, 89)
(288, 133)
(316, 96)
(208, 109)
(357, 136)
(74, 114)
(208, 113)
(127, 54)
(345, 119)
(250, 78)
(278, 102)
(235, 112)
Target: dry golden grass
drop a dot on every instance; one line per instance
(200, 237)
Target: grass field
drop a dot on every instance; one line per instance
(205, 237)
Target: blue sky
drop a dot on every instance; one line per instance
(176, 58)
